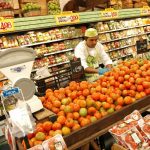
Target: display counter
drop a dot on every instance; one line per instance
(88, 133)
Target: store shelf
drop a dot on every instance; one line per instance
(53, 65)
(43, 22)
(40, 43)
(123, 29)
(124, 38)
(100, 127)
(121, 57)
(57, 52)
(120, 48)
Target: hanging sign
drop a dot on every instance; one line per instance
(141, 46)
(109, 14)
(6, 24)
(145, 10)
(67, 18)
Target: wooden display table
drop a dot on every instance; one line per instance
(85, 135)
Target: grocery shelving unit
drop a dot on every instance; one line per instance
(46, 22)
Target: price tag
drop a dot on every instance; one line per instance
(109, 14)
(43, 72)
(67, 18)
(6, 24)
(145, 11)
(10, 92)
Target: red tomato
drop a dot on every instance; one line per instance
(47, 125)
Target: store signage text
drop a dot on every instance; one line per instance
(6, 24)
(67, 18)
(145, 11)
(109, 14)
(10, 92)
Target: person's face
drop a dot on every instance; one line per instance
(92, 41)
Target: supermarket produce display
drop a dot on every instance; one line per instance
(81, 107)
(86, 104)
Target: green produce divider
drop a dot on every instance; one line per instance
(41, 22)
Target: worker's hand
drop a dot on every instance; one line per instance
(101, 71)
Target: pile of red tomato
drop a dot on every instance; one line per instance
(79, 104)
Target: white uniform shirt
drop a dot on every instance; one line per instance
(81, 52)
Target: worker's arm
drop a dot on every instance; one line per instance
(90, 70)
(109, 66)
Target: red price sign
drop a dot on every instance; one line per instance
(67, 18)
(6, 24)
(109, 14)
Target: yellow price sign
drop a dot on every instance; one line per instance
(108, 14)
(6, 24)
(145, 11)
(67, 18)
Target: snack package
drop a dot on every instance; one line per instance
(55, 143)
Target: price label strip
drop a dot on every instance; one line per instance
(109, 14)
(67, 18)
(6, 24)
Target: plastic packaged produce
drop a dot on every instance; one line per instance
(62, 46)
(32, 36)
(52, 34)
(52, 60)
(134, 139)
(58, 33)
(102, 37)
(58, 59)
(40, 36)
(55, 143)
(68, 44)
(65, 32)
(70, 55)
(100, 27)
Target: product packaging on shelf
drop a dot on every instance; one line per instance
(56, 142)
(132, 132)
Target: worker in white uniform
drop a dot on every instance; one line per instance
(92, 53)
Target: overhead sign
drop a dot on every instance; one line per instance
(109, 14)
(67, 18)
(6, 24)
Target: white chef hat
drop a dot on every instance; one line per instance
(91, 32)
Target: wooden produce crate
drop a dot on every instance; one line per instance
(28, 1)
(88, 133)
(117, 147)
(6, 13)
(32, 13)
(85, 135)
